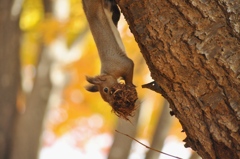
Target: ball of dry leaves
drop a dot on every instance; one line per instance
(123, 100)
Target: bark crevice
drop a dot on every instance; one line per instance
(195, 61)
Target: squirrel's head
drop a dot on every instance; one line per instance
(102, 84)
(120, 96)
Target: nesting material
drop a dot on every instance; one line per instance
(123, 100)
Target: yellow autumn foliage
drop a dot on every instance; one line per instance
(39, 30)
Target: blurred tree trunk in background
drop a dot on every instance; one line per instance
(29, 124)
(162, 130)
(121, 146)
(9, 74)
(194, 156)
(192, 49)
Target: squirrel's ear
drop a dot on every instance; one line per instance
(90, 79)
(96, 80)
(92, 88)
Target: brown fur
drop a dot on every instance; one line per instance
(102, 16)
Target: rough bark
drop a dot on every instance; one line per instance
(9, 74)
(192, 49)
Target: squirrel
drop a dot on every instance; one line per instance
(103, 16)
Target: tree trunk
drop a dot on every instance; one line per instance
(162, 130)
(192, 49)
(9, 74)
(29, 125)
(194, 156)
(122, 145)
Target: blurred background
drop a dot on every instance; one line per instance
(58, 118)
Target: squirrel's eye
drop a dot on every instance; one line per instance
(105, 89)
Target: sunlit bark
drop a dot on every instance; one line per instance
(192, 49)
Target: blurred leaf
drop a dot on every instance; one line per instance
(31, 15)
(29, 48)
(50, 29)
(77, 22)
